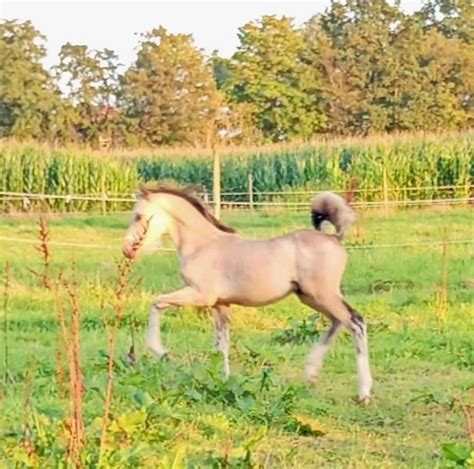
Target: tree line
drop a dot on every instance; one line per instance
(361, 67)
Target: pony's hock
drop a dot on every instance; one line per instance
(220, 268)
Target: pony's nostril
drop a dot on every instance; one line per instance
(128, 251)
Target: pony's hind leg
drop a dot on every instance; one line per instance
(315, 359)
(355, 323)
(358, 330)
(341, 314)
(221, 324)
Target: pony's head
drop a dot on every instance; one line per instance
(149, 223)
(158, 210)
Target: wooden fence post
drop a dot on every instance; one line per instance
(216, 181)
(385, 191)
(104, 195)
(250, 187)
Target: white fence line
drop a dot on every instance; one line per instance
(409, 245)
(357, 191)
(131, 197)
(349, 247)
(67, 198)
(27, 197)
(378, 203)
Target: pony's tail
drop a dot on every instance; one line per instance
(333, 208)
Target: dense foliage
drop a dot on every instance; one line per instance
(361, 164)
(358, 68)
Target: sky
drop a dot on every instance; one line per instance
(113, 25)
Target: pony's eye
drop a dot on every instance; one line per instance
(138, 217)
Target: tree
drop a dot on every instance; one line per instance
(385, 71)
(449, 51)
(28, 99)
(169, 95)
(420, 91)
(452, 18)
(91, 81)
(338, 99)
(221, 68)
(269, 71)
(352, 44)
(448, 69)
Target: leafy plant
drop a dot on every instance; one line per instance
(299, 332)
(457, 455)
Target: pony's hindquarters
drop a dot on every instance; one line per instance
(321, 264)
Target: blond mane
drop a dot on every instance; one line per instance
(187, 194)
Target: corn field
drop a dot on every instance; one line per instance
(424, 164)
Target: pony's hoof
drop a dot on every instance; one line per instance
(365, 401)
(159, 354)
(311, 376)
(312, 380)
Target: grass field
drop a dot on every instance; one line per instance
(180, 413)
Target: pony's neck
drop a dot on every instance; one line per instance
(188, 229)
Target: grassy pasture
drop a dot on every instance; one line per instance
(181, 412)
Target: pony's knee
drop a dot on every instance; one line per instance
(158, 304)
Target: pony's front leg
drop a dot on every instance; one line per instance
(153, 339)
(187, 296)
(221, 324)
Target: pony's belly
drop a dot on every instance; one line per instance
(257, 274)
(255, 302)
(256, 294)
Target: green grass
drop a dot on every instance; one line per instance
(181, 410)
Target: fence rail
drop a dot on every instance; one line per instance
(11, 240)
(285, 199)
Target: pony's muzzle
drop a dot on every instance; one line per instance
(129, 250)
